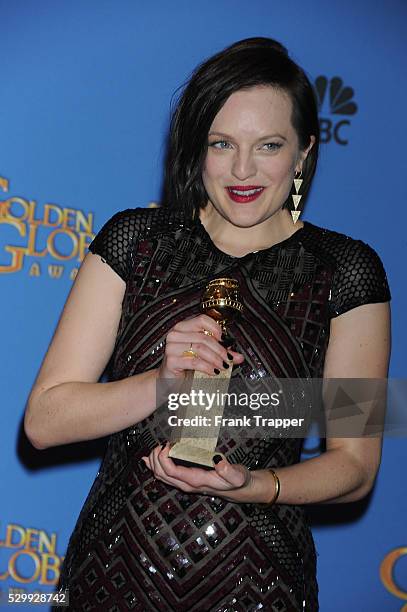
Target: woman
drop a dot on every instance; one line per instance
(153, 535)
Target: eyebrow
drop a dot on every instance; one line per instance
(266, 137)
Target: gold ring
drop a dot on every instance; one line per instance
(190, 352)
(207, 332)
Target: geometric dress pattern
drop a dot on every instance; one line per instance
(140, 544)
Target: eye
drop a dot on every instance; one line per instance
(219, 144)
(272, 146)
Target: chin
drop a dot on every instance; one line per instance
(239, 222)
(248, 218)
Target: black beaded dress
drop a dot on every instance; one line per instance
(140, 544)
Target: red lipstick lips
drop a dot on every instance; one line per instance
(244, 193)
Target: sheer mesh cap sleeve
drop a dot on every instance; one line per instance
(113, 241)
(360, 279)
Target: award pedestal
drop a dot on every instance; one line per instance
(195, 442)
(195, 445)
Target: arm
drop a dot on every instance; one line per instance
(66, 403)
(359, 347)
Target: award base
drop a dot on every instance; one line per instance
(194, 453)
(199, 449)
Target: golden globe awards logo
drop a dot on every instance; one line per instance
(31, 556)
(336, 100)
(40, 231)
(387, 574)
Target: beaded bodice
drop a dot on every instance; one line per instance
(149, 543)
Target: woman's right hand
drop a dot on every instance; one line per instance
(202, 335)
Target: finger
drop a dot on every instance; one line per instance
(205, 356)
(180, 484)
(198, 324)
(147, 462)
(160, 453)
(182, 362)
(225, 477)
(209, 351)
(179, 472)
(206, 346)
(197, 478)
(235, 356)
(236, 475)
(161, 472)
(154, 461)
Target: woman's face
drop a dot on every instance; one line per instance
(252, 144)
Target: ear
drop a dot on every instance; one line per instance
(303, 154)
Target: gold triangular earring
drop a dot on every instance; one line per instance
(296, 197)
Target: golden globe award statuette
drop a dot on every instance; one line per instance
(195, 445)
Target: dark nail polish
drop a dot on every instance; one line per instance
(230, 356)
(225, 365)
(217, 459)
(163, 445)
(226, 341)
(216, 371)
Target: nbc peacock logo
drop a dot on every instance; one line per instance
(339, 101)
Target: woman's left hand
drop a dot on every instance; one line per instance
(226, 477)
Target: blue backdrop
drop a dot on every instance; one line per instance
(85, 101)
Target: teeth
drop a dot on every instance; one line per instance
(246, 193)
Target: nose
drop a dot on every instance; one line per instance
(244, 165)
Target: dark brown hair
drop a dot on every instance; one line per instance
(245, 64)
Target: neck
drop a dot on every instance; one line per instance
(238, 241)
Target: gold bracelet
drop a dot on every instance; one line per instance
(277, 487)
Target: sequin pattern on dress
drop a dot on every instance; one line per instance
(140, 544)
